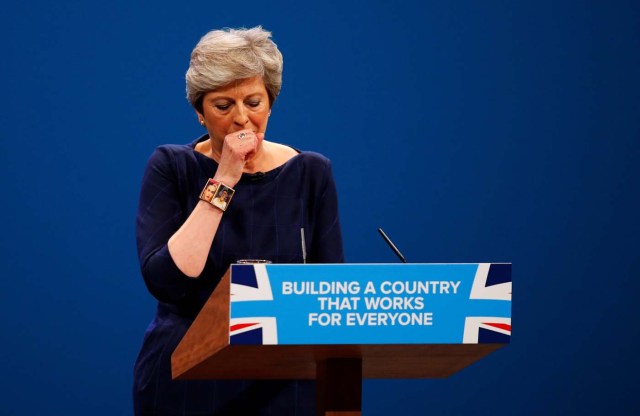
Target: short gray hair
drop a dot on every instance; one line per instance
(224, 56)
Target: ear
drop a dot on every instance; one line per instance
(200, 118)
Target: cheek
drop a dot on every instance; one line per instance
(261, 120)
(218, 122)
(218, 126)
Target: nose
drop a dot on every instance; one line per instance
(241, 116)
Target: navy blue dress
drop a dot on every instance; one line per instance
(263, 221)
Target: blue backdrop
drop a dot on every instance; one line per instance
(470, 131)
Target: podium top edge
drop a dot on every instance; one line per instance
(368, 264)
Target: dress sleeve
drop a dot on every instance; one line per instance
(160, 214)
(327, 247)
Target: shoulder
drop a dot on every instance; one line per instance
(314, 160)
(312, 168)
(177, 150)
(172, 153)
(170, 159)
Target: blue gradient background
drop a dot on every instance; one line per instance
(470, 131)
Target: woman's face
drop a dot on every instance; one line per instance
(208, 193)
(241, 105)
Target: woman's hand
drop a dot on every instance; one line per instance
(237, 149)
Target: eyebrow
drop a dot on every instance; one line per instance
(224, 97)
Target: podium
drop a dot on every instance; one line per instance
(340, 324)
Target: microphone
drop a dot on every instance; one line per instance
(393, 246)
(304, 246)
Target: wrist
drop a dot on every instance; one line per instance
(228, 181)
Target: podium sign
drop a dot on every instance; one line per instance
(322, 304)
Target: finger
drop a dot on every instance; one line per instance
(252, 148)
(250, 140)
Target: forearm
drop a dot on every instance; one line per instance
(190, 245)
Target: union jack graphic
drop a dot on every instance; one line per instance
(491, 282)
(250, 282)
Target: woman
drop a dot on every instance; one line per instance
(209, 191)
(186, 243)
(221, 200)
